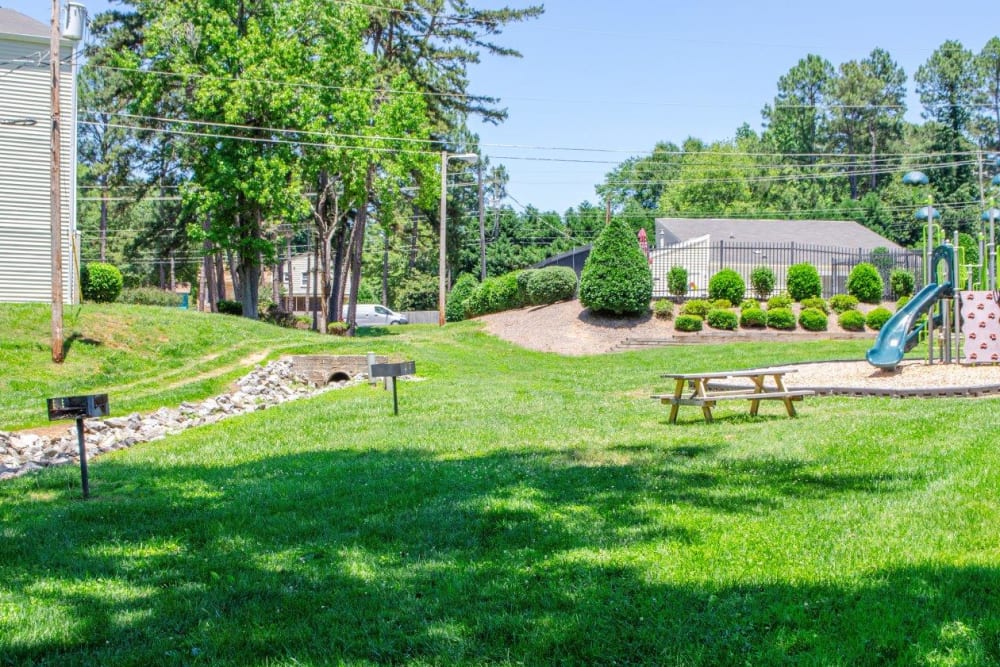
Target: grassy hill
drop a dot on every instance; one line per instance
(524, 508)
(144, 357)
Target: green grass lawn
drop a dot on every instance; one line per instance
(523, 508)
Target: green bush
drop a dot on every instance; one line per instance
(901, 301)
(337, 328)
(722, 304)
(663, 309)
(812, 319)
(523, 277)
(549, 285)
(698, 307)
(817, 303)
(803, 281)
(494, 295)
(273, 314)
(781, 318)
(841, 303)
(227, 307)
(728, 285)
(677, 281)
(750, 304)
(687, 323)
(753, 318)
(101, 282)
(762, 281)
(616, 278)
(367, 295)
(150, 296)
(901, 282)
(779, 301)
(454, 308)
(877, 318)
(418, 292)
(865, 283)
(851, 320)
(722, 319)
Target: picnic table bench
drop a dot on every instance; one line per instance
(704, 396)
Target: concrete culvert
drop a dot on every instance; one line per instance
(339, 376)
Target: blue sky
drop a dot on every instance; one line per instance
(610, 79)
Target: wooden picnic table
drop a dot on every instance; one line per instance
(768, 384)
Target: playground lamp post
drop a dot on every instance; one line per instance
(920, 178)
(443, 213)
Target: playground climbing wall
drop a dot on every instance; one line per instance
(981, 326)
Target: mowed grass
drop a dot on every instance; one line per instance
(146, 356)
(523, 509)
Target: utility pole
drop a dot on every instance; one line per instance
(55, 200)
(482, 227)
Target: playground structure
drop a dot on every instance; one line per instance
(946, 308)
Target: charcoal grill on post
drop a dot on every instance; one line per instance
(79, 408)
(394, 371)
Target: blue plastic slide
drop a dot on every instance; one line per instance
(900, 334)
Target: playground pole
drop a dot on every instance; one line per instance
(957, 303)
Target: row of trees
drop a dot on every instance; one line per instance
(244, 132)
(257, 121)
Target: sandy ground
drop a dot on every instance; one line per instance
(569, 329)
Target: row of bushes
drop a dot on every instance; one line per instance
(530, 287)
(802, 281)
(778, 315)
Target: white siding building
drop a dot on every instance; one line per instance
(25, 161)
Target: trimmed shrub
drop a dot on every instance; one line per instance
(523, 276)
(337, 328)
(677, 281)
(150, 296)
(663, 309)
(753, 318)
(101, 282)
(722, 319)
(687, 323)
(728, 285)
(722, 304)
(779, 301)
(901, 301)
(750, 304)
(877, 318)
(852, 320)
(454, 308)
(616, 278)
(865, 283)
(418, 292)
(781, 318)
(549, 285)
(841, 303)
(803, 281)
(227, 307)
(494, 295)
(762, 281)
(698, 307)
(275, 315)
(901, 282)
(812, 319)
(817, 303)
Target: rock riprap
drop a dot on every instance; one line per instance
(262, 388)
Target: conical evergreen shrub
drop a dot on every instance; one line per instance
(616, 279)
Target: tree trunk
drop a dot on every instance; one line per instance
(356, 249)
(220, 278)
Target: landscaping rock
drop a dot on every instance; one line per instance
(263, 387)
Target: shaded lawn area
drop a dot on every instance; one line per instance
(523, 508)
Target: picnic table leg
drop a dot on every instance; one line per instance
(678, 392)
(758, 388)
(787, 401)
(706, 411)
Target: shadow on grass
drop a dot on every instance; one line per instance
(376, 332)
(400, 557)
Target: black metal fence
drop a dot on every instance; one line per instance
(703, 259)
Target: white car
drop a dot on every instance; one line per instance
(373, 315)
